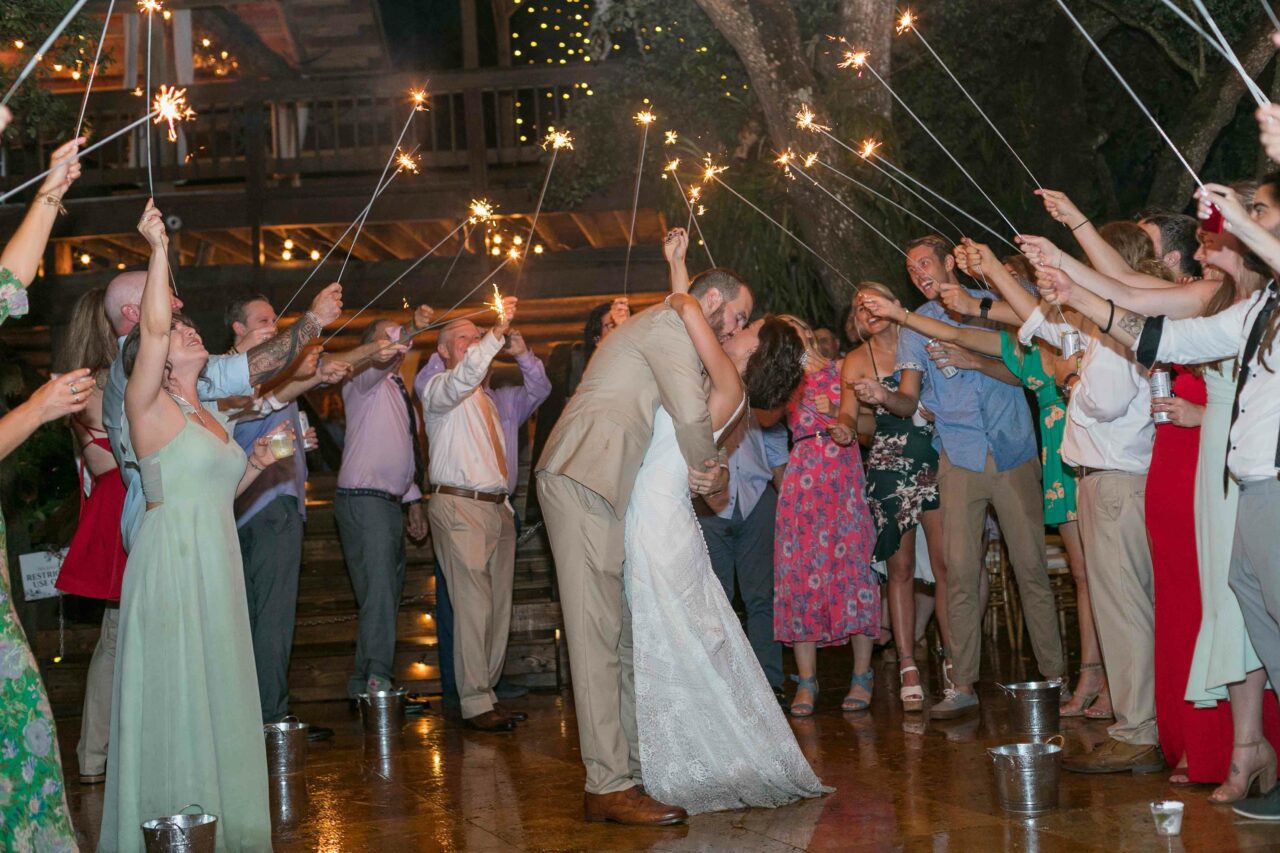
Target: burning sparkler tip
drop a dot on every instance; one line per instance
(419, 99)
(854, 59)
(645, 117)
(906, 22)
(149, 6)
(557, 139)
(481, 210)
(170, 106)
(806, 120)
(406, 162)
(868, 148)
(671, 137)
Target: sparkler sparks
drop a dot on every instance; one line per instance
(695, 193)
(854, 59)
(869, 147)
(672, 165)
(419, 99)
(149, 6)
(406, 162)
(810, 159)
(710, 170)
(645, 117)
(806, 120)
(496, 304)
(170, 106)
(481, 210)
(906, 22)
(670, 137)
(557, 140)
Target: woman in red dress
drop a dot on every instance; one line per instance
(94, 566)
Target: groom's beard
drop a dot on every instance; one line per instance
(716, 321)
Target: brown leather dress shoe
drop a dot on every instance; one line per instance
(489, 721)
(518, 716)
(630, 807)
(1117, 757)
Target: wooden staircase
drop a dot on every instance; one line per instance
(325, 632)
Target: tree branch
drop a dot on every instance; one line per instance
(1162, 41)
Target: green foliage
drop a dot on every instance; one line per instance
(39, 114)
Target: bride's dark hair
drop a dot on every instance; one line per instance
(774, 369)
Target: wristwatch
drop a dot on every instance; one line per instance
(984, 307)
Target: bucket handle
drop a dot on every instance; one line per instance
(290, 718)
(199, 809)
(1055, 740)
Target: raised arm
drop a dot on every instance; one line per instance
(446, 390)
(268, 358)
(1101, 254)
(979, 340)
(674, 248)
(22, 253)
(726, 385)
(146, 382)
(1238, 221)
(977, 260)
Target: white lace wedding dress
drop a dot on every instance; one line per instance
(712, 735)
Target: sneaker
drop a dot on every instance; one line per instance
(1266, 807)
(955, 703)
(1117, 757)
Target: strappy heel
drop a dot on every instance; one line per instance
(1264, 776)
(912, 695)
(804, 709)
(865, 680)
(1087, 699)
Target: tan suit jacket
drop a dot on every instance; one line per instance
(604, 432)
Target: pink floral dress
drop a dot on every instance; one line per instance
(824, 588)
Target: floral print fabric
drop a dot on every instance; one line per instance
(902, 476)
(825, 590)
(13, 296)
(1059, 481)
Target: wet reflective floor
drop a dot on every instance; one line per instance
(902, 782)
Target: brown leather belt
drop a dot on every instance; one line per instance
(487, 497)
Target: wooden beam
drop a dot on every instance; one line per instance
(588, 229)
(228, 243)
(252, 52)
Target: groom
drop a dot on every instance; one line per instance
(585, 478)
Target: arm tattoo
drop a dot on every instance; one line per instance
(270, 357)
(1132, 323)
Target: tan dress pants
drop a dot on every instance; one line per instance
(1017, 498)
(95, 720)
(1117, 555)
(475, 544)
(586, 541)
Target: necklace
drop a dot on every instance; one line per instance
(198, 410)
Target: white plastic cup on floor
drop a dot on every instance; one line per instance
(1168, 817)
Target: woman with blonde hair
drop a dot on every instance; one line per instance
(825, 593)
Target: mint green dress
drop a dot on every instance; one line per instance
(186, 726)
(1059, 481)
(33, 802)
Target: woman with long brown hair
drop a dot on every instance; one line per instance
(94, 565)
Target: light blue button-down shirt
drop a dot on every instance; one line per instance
(750, 465)
(974, 414)
(224, 376)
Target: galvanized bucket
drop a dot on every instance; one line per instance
(1027, 775)
(288, 800)
(382, 711)
(286, 746)
(185, 832)
(1033, 706)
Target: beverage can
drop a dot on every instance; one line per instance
(305, 424)
(1161, 386)
(1071, 343)
(947, 370)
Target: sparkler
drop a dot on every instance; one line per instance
(149, 8)
(787, 161)
(44, 48)
(512, 255)
(644, 118)
(170, 107)
(688, 200)
(908, 22)
(858, 60)
(813, 158)
(1249, 82)
(406, 162)
(557, 141)
(712, 173)
(1266, 7)
(496, 305)
(670, 137)
(93, 70)
(1230, 54)
(1132, 94)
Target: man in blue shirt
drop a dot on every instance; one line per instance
(984, 435)
(739, 534)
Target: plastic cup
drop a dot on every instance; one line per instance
(281, 445)
(1168, 817)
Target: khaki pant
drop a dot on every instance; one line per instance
(475, 545)
(95, 720)
(586, 541)
(1017, 498)
(1118, 557)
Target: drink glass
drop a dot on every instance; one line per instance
(1168, 817)
(281, 444)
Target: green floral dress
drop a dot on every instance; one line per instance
(1059, 482)
(33, 804)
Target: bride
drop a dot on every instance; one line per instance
(712, 735)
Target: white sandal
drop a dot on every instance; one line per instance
(912, 696)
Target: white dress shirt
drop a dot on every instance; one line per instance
(458, 417)
(1109, 422)
(1252, 452)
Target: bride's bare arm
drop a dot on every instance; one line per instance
(726, 385)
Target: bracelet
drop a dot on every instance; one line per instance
(1110, 317)
(253, 463)
(51, 200)
(1081, 225)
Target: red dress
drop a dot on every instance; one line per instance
(1203, 735)
(94, 566)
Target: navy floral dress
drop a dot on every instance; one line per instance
(902, 476)
(824, 588)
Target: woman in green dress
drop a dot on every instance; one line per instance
(33, 803)
(1034, 367)
(185, 722)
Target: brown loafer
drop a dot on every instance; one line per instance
(632, 808)
(1117, 757)
(489, 721)
(518, 716)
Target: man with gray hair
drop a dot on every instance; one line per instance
(472, 523)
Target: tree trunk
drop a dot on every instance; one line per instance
(1205, 117)
(766, 37)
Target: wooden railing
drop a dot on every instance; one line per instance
(477, 120)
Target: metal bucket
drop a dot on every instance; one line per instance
(1033, 706)
(289, 798)
(382, 711)
(286, 746)
(1027, 775)
(194, 832)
